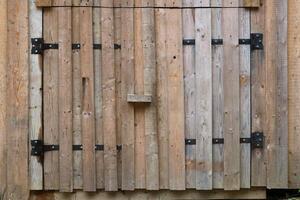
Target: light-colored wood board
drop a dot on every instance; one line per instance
(258, 100)
(127, 81)
(109, 98)
(3, 67)
(132, 98)
(88, 101)
(218, 96)
(17, 104)
(139, 110)
(251, 3)
(231, 97)
(162, 98)
(98, 95)
(276, 93)
(189, 92)
(294, 97)
(50, 99)
(245, 98)
(151, 140)
(77, 100)
(203, 94)
(35, 98)
(65, 113)
(43, 3)
(175, 99)
(157, 195)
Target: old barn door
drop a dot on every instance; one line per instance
(144, 94)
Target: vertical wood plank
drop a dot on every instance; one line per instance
(231, 96)
(162, 98)
(258, 100)
(151, 140)
(139, 109)
(88, 101)
(117, 33)
(276, 93)
(218, 95)
(294, 98)
(77, 100)
(17, 120)
(65, 100)
(245, 98)
(175, 99)
(189, 92)
(127, 78)
(98, 94)
(3, 67)
(203, 71)
(109, 98)
(50, 100)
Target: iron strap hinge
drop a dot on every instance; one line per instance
(255, 41)
(38, 148)
(256, 140)
(38, 46)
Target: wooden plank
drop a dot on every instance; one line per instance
(127, 110)
(17, 120)
(77, 101)
(276, 93)
(294, 98)
(231, 97)
(43, 3)
(109, 98)
(245, 98)
(117, 34)
(189, 92)
(218, 96)
(162, 98)
(98, 95)
(3, 65)
(139, 110)
(88, 109)
(258, 101)
(50, 98)
(203, 94)
(132, 98)
(65, 100)
(175, 99)
(251, 3)
(35, 104)
(151, 141)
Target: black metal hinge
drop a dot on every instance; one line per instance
(38, 46)
(256, 140)
(38, 148)
(255, 41)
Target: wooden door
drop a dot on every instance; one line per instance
(152, 95)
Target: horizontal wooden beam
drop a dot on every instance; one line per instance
(251, 3)
(43, 3)
(132, 98)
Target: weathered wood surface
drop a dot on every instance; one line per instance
(17, 101)
(277, 93)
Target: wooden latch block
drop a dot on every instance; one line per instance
(251, 3)
(43, 3)
(132, 98)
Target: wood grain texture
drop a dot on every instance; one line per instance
(43, 3)
(109, 98)
(231, 97)
(189, 92)
(3, 67)
(88, 101)
(35, 98)
(17, 99)
(203, 71)
(218, 95)
(50, 100)
(65, 113)
(251, 3)
(245, 98)
(294, 86)
(276, 93)
(127, 110)
(258, 100)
